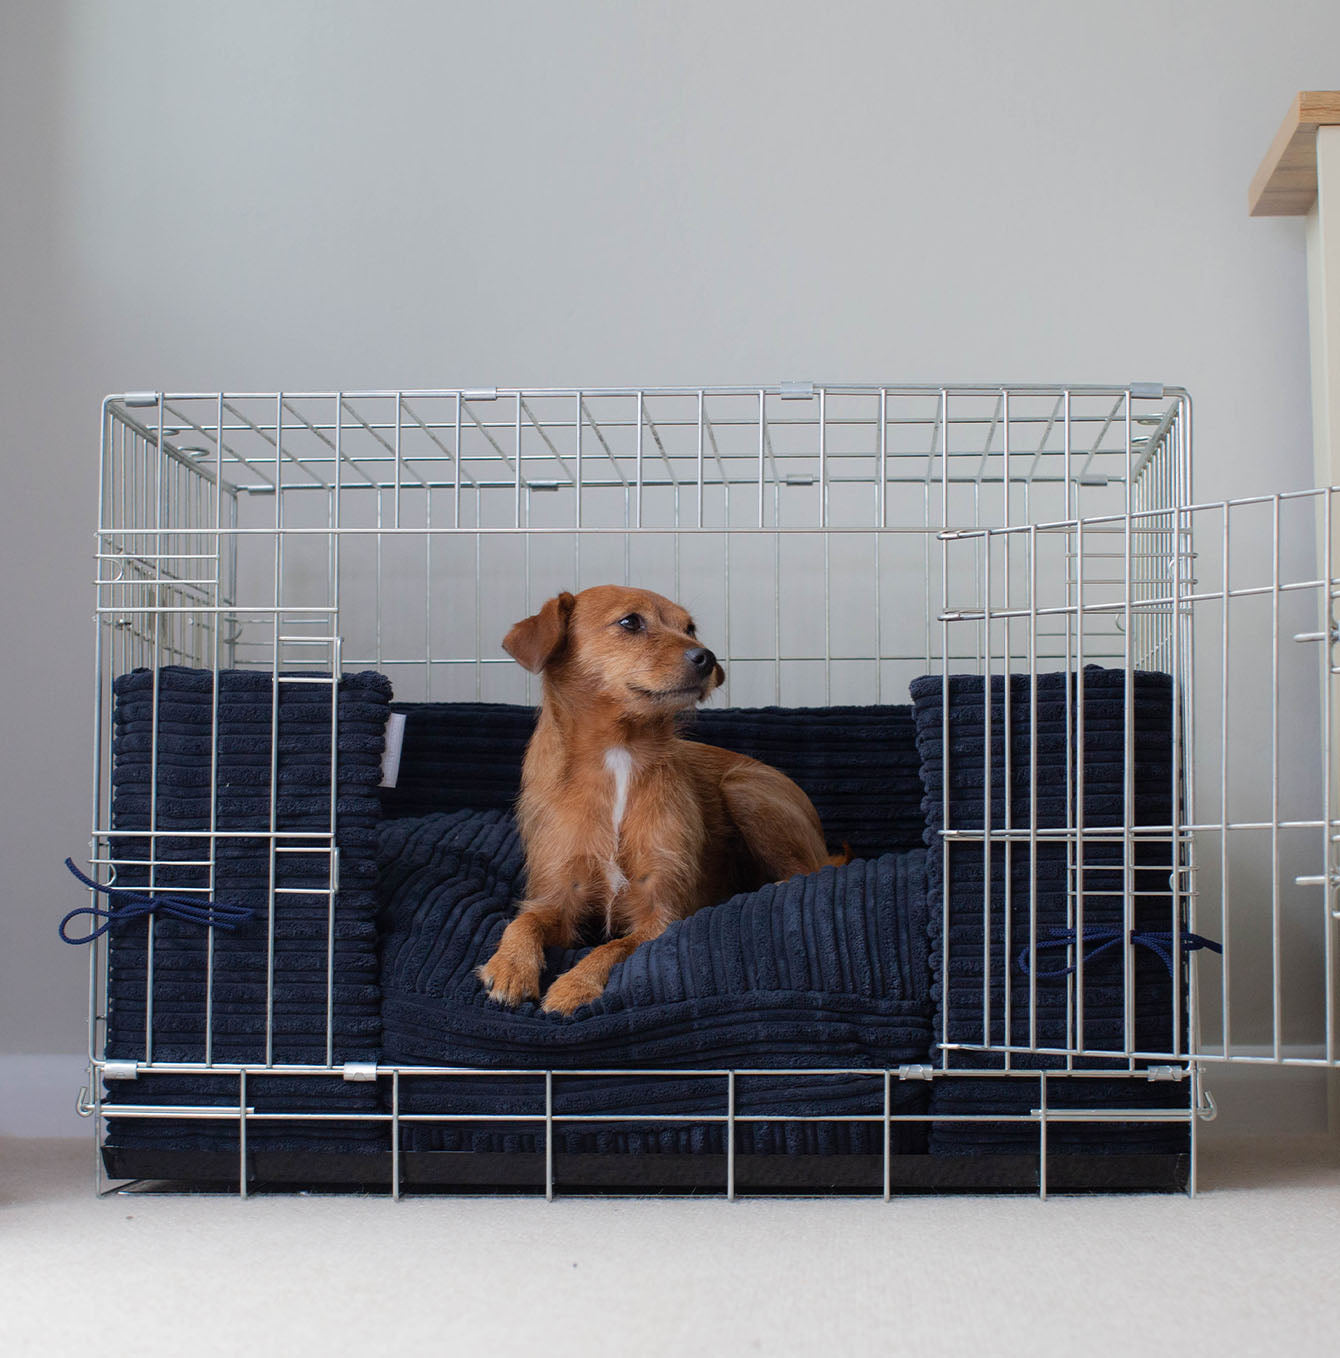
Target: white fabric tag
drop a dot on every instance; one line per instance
(395, 740)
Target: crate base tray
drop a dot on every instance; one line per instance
(523, 1173)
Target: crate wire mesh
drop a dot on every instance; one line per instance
(835, 542)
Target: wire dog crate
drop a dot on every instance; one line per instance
(1001, 547)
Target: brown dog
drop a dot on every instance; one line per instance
(619, 816)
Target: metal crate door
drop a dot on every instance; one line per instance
(1136, 785)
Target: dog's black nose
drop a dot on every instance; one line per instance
(701, 659)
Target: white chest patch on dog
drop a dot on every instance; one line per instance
(620, 764)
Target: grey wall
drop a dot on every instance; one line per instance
(269, 195)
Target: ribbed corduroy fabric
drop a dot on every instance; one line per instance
(825, 970)
(1065, 761)
(189, 758)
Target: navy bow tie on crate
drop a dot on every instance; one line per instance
(1159, 943)
(126, 905)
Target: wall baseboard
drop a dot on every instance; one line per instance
(1261, 1100)
(38, 1093)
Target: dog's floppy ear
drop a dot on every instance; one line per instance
(534, 641)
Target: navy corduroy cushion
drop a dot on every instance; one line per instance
(824, 970)
(859, 765)
(189, 758)
(1084, 775)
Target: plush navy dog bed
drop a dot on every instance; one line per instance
(840, 968)
(828, 970)
(824, 970)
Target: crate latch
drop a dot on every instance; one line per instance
(360, 1072)
(1331, 635)
(1172, 1074)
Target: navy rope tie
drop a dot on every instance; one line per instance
(1160, 944)
(126, 905)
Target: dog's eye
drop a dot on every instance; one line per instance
(691, 631)
(632, 622)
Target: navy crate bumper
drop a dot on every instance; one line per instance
(858, 765)
(970, 1005)
(829, 969)
(839, 968)
(307, 945)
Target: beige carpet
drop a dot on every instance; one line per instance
(1252, 1266)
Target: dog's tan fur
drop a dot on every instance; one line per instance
(619, 817)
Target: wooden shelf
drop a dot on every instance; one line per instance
(1286, 183)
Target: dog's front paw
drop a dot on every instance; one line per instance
(509, 981)
(570, 991)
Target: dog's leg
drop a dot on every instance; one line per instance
(586, 981)
(776, 820)
(512, 974)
